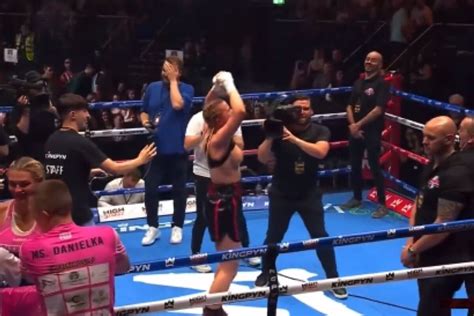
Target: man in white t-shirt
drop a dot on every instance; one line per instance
(130, 180)
(193, 140)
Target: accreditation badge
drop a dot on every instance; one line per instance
(357, 108)
(299, 166)
(419, 201)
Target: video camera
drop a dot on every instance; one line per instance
(34, 87)
(282, 115)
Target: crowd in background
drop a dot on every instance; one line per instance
(92, 48)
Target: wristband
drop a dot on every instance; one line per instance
(411, 251)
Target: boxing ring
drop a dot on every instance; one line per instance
(161, 282)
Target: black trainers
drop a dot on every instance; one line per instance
(213, 312)
(380, 212)
(262, 280)
(352, 203)
(340, 293)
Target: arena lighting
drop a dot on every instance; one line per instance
(279, 2)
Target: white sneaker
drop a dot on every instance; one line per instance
(176, 235)
(202, 268)
(151, 235)
(253, 262)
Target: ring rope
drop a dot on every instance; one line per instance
(245, 96)
(201, 300)
(407, 153)
(136, 211)
(286, 247)
(404, 121)
(431, 102)
(283, 94)
(400, 183)
(190, 185)
(143, 131)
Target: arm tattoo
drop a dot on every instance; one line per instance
(448, 210)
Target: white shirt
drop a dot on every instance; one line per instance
(121, 199)
(399, 19)
(9, 268)
(194, 128)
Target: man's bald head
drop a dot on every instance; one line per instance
(456, 99)
(442, 125)
(466, 132)
(373, 63)
(376, 55)
(439, 135)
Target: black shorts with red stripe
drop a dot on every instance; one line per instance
(224, 211)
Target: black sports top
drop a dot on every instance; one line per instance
(215, 163)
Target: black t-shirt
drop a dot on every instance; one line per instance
(467, 158)
(450, 181)
(365, 96)
(70, 157)
(295, 170)
(4, 138)
(43, 123)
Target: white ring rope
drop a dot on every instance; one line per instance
(288, 290)
(256, 122)
(143, 131)
(405, 121)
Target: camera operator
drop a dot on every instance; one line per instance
(34, 117)
(296, 146)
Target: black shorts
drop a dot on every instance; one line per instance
(224, 210)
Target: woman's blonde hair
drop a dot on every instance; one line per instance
(28, 164)
(211, 112)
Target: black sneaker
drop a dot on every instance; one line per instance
(352, 203)
(380, 212)
(262, 280)
(340, 293)
(213, 312)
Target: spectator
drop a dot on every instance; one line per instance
(121, 91)
(67, 74)
(421, 80)
(316, 64)
(325, 78)
(26, 46)
(337, 59)
(421, 16)
(16, 219)
(458, 100)
(299, 79)
(130, 180)
(167, 105)
(399, 28)
(99, 251)
(81, 83)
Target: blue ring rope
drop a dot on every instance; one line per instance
(190, 185)
(337, 241)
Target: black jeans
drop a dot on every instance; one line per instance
(310, 208)
(371, 142)
(201, 185)
(176, 166)
(434, 291)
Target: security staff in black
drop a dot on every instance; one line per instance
(445, 194)
(466, 145)
(294, 185)
(365, 114)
